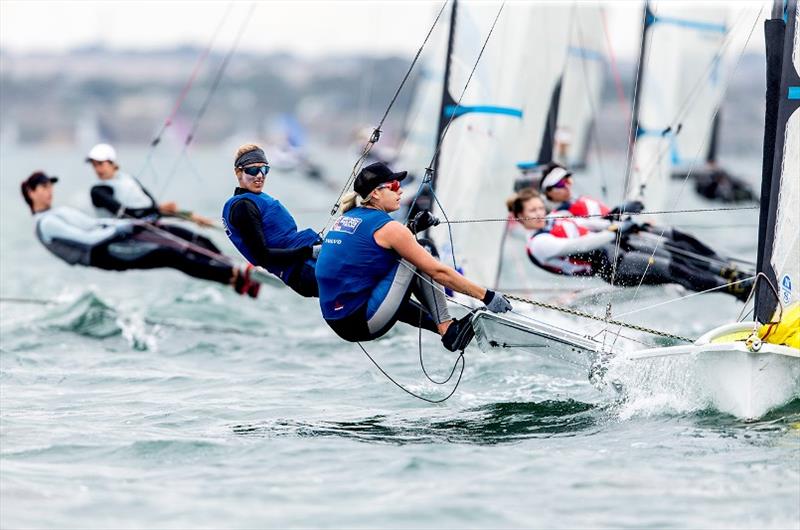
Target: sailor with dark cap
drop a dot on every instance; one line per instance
(263, 230)
(370, 265)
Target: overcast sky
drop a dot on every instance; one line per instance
(308, 27)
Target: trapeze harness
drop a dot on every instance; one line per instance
(118, 244)
(364, 289)
(266, 234)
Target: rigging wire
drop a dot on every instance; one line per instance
(603, 216)
(377, 132)
(212, 90)
(184, 92)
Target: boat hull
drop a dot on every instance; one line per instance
(728, 376)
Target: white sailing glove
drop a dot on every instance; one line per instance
(496, 302)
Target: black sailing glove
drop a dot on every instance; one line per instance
(422, 221)
(627, 207)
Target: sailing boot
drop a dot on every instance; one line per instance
(459, 334)
(246, 285)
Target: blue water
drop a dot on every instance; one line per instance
(148, 399)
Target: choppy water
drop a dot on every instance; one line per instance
(147, 399)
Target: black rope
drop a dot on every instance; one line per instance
(413, 394)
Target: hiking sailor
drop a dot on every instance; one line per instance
(556, 184)
(561, 245)
(121, 244)
(119, 194)
(370, 265)
(264, 231)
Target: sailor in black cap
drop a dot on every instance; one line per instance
(121, 244)
(370, 265)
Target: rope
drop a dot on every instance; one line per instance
(376, 134)
(413, 394)
(583, 314)
(204, 106)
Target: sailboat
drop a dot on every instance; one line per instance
(748, 368)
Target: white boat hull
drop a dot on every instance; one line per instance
(555, 347)
(727, 376)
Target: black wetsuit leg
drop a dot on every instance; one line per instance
(303, 280)
(150, 253)
(191, 237)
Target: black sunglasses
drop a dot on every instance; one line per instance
(255, 170)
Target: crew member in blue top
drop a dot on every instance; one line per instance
(370, 265)
(264, 231)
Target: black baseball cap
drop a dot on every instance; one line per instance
(30, 183)
(39, 177)
(374, 175)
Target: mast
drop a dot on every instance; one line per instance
(548, 138)
(782, 99)
(447, 99)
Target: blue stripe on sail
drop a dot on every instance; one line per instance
(586, 53)
(528, 165)
(794, 92)
(458, 110)
(686, 23)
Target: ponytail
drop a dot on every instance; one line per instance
(348, 201)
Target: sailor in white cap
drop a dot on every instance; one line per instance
(119, 194)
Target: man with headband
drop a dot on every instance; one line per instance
(264, 231)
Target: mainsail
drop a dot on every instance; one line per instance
(779, 225)
(678, 91)
(490, 129)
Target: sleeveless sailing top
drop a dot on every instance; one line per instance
(278, 225)
(351, 263)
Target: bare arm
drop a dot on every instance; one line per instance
(397, 237)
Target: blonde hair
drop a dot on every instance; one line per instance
(246, 148)
(516, 201)
(351, 199)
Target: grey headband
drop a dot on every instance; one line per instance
(255, 156)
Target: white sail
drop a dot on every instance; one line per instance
(584, 74)
(478, 156)
(679, 91)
